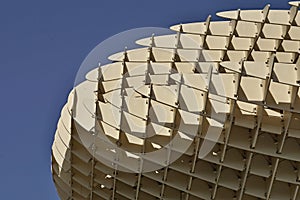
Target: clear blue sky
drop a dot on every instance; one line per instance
(42, 44)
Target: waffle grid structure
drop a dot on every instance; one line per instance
(256, 110)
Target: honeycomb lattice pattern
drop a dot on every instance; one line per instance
(171, 88)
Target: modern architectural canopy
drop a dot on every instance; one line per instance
(211, 112)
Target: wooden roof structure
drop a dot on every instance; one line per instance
(210, 112)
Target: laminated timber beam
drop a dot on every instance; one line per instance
(173, 133)
(145, 142)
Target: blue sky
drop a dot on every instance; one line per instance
(42, 44)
